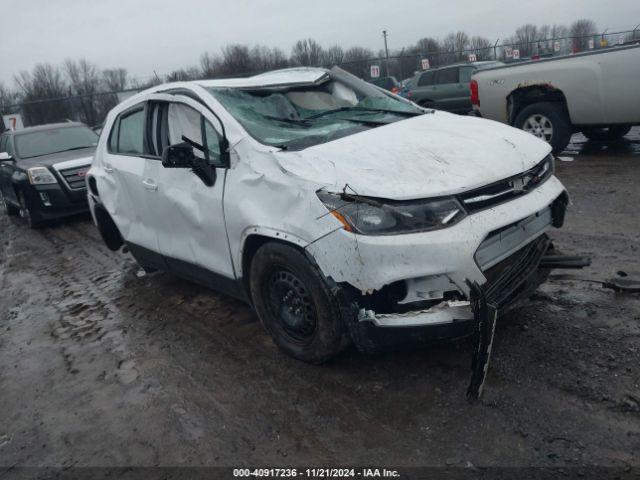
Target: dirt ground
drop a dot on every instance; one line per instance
(101, 365)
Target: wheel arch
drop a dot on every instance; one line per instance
(107, 227)
(255, 239)
(524, 96)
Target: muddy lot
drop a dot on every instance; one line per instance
(103, 366)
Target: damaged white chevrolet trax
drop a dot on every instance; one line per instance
(341, 212)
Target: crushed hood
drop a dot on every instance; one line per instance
(430, 155)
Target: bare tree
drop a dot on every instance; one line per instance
(235, 60)
(44, 82)
(183, 74)
(357, 60)
(333, 56)
(582, 31)
(482, 48)
(526, 39)
(115, 79)
(454, 46)
(207, 65)
(84, 81)
(306, 52)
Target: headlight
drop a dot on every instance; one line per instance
(369, 216)
(40, 176)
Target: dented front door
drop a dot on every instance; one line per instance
(190, 218)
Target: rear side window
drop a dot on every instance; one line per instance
(7, 145)
(426, 79)
(447, 75)
(127, 135)
(465, 74)
(3, 142)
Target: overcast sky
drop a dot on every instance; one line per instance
(161, 35)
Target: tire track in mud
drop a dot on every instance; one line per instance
(97, 294)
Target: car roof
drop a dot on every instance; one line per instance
(287, 76)
(47, 126)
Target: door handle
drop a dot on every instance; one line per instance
(149, 184)
(108, 168)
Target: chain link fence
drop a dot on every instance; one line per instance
(405, 66)
(92, 108)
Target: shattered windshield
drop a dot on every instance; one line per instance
(296, 117)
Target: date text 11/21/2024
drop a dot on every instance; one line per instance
(316, 473)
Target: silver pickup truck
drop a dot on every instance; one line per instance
(596, 93)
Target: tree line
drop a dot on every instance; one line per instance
(43, 93)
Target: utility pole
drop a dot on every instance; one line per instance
(386, 49)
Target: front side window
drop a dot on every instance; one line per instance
(447, 75)
(55, 140)
(187, 123)
(426, 79)
(296, 116)
(465, 74)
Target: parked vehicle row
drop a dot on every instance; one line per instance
(446, 88)
(595, 93)
(42, 171)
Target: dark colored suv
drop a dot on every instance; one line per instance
(42, 171)
(446, 88)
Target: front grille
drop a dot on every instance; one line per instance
(502, 242)
(507, 189)
(74, 177)
(514, 277)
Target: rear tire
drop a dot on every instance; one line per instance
(548, 121)
(615, 132)
(7, 208)
(295, 305)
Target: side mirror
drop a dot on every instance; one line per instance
(5, 157)
(179, 155)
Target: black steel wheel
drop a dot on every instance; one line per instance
(295, 305)
(290, 302)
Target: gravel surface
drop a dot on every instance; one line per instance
(103, 365)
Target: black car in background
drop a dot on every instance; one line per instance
(42, 171)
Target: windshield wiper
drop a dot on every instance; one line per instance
(59, 151)
(365, 110)
(286, 120)
(75, 148)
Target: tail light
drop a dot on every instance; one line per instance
(475, 98)
(395, 90)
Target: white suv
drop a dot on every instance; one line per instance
(338, 210)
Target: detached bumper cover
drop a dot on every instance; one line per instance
(510, 283)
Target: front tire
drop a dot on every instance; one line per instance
(25, 211)
(7, 208)
(548, 121)
(295, 305)
(615, 132)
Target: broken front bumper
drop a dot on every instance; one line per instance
(501, 249)
(427, 274)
